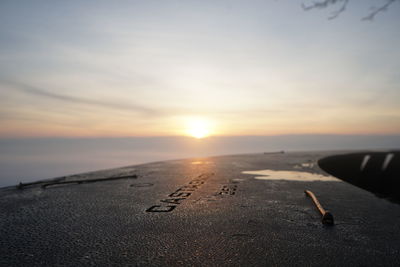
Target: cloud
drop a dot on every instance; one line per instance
(31, 90)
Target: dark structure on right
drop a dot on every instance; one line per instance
(377, 172)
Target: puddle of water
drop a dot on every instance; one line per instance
(290, 176)
(306, 165)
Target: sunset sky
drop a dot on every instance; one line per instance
(163, 68)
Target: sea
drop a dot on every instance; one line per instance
(32, 159)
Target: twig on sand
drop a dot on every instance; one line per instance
(60, 181)
(327, 217)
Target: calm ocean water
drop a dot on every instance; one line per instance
(34, 159)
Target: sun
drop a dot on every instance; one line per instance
(198, 128)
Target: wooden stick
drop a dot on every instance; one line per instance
(327, 217)
(22, 185)
(89, 180)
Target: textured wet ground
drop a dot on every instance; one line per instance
(203, 212)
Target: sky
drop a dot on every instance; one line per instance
(229, 68)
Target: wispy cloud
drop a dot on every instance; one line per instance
(38, 92)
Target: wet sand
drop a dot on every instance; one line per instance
(202, 212)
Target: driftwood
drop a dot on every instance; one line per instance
(85, 181)
(327, 217)
(22, 185)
